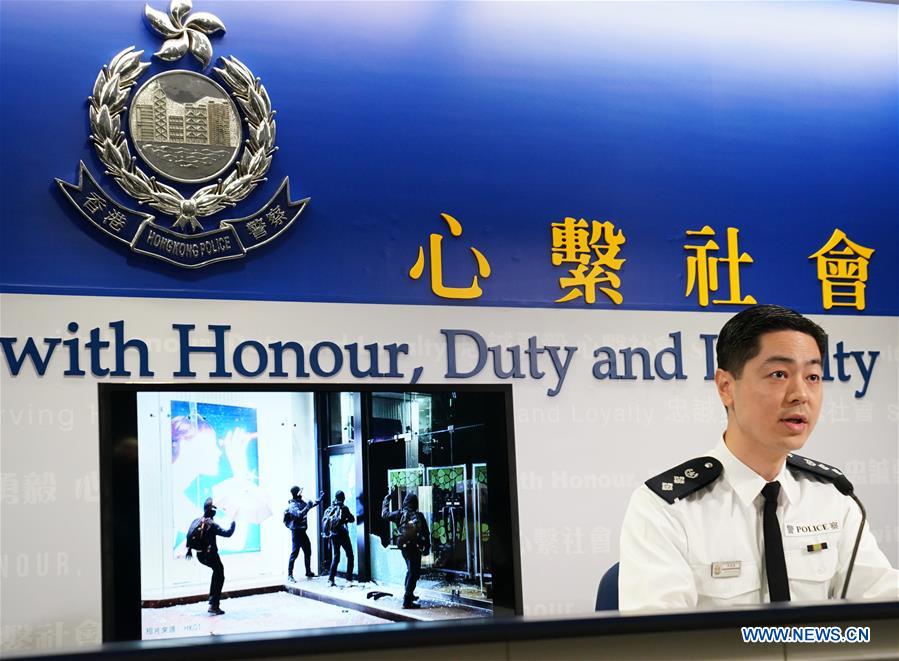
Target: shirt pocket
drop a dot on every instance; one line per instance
(742, 589)
(811, 574)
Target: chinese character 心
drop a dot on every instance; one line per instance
(436, 255)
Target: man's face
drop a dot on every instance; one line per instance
(774, 405)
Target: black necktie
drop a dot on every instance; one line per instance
(775, 565)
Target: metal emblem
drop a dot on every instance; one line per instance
(692, 474)
(667, 486)
(729, 569)
(678, 479)
(187, 128)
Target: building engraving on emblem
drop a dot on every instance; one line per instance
(185, 126)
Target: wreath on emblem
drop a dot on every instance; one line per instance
(111, 91)
(108, 103)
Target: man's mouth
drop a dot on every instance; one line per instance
(796, 422)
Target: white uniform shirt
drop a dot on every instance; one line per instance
(707, 550)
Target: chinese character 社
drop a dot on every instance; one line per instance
(702, 268)
(843, 271)
(595, 251)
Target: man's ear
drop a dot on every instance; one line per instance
(724, 381)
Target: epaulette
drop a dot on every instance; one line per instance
(680, 481)
(823, 471)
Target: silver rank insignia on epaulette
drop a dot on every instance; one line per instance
(821, 471)
(681, 481)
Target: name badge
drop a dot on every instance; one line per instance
(801, 529)
(729, 569)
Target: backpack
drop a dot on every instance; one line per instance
(196, 534)
(331, 520)
(288, 517)
(410, 530)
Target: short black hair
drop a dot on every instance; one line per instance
(739, 340)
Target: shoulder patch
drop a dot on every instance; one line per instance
(818, 469)
(680, 481)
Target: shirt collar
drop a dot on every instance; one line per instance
(746, 482)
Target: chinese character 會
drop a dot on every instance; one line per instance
(843, 271)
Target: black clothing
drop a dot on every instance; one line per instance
(341, 540)
(300, 541)
(297, 511)
(214, 562)
(210, 557)
(212, 530)
(413, 550)
(412, 556)
(345, 517)
(775, 564)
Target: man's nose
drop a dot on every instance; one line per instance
(798, 391)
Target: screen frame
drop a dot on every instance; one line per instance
(120, 499)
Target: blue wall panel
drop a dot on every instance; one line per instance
(776, 118)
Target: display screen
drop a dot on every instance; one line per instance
(259, 509)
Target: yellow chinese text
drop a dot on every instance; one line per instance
(435, 252)
(843, 271)
(593, 248)
(702, 267)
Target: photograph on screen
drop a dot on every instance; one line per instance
(269, 511)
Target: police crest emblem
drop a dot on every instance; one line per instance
(187, 128)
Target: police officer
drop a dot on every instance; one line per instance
(412, 546)
(296, 516)
(209, 556)
(340, 539)
(753, 522)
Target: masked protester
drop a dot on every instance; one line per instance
(334, 522)
(295, 518)
(201, 537)
(413, 538)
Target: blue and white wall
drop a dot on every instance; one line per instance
(777, 119)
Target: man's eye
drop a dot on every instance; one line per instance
(779, 374)
(814, 377)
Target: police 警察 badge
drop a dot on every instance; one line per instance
(189, 129)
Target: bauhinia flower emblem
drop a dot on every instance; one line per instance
(184, 31)
(191, 130)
